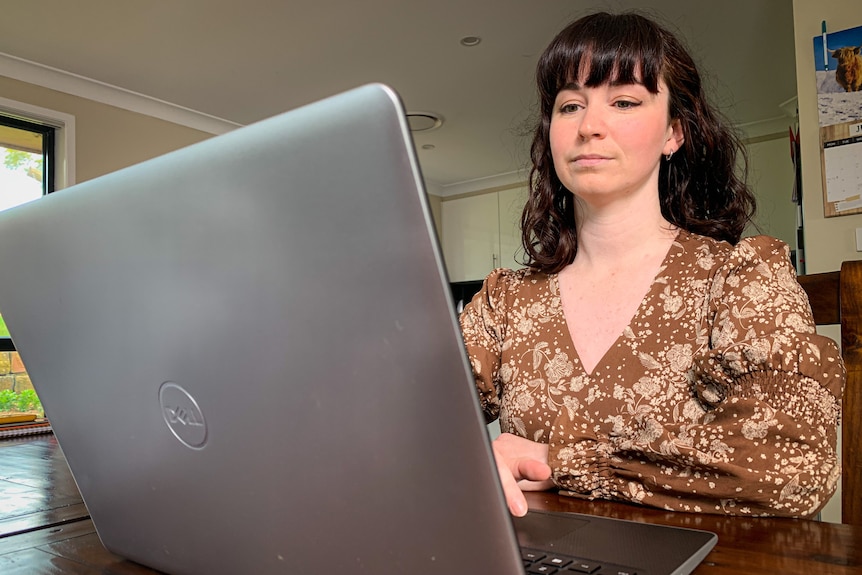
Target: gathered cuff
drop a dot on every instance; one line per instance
(582, 466)
(805, 381)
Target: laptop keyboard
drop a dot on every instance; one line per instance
(542, 563)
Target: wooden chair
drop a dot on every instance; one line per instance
(836, 298)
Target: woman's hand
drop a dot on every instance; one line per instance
(523, 466)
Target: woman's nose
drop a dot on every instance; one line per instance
(592, 123)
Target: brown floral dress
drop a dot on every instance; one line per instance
(718, 397)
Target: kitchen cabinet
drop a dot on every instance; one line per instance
(482, 232)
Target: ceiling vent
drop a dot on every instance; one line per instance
(424, 121)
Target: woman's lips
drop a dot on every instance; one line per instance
(589, 160)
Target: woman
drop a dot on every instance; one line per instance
(646, 353)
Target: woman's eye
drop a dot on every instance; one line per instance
(626, 104)
(569, 108)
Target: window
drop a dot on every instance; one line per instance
(27, 172)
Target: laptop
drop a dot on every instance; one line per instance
(249, 354)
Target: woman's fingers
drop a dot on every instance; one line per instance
(522, 466)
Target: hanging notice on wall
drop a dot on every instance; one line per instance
(838, 62)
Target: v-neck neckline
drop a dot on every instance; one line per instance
(606, 357)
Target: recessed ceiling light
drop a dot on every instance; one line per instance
(470, 41)
(424, 121)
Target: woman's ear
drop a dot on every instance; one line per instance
(676, 137)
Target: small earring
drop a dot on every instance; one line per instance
(667, 157)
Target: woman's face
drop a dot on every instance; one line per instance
(607, 141)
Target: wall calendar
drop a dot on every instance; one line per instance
(838, 65)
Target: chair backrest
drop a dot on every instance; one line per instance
(836, 298)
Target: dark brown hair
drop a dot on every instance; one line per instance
(699, 188)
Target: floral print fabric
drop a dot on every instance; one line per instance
(717, 397)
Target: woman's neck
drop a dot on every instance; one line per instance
(614, 234)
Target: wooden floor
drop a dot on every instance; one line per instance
(36, 487)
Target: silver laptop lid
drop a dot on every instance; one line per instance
(248, 353)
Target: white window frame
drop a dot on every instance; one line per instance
(64, 136)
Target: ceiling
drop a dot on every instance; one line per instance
(245, 61)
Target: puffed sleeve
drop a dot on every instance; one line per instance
(483, 326)
(773, 380)
(768, 391)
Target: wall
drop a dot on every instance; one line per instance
(771, 177)
(828, 241)
(435, 202)
(107, 138)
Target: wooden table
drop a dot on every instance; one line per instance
(751, 546)
(745, 546)
(44, 527)
(36, 486)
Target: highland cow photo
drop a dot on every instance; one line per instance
(839, 76)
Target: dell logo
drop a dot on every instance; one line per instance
(183, 415)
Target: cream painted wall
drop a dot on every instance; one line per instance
(106, 138)
(436, 204)
(771, 177)
(828, 241)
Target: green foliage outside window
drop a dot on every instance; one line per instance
(24, 401)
